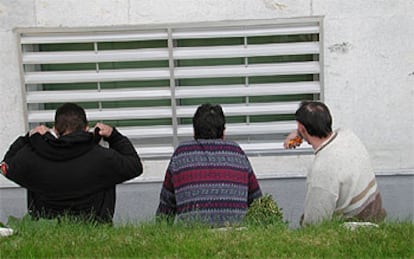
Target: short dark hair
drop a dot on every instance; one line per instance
(208, 122)
(315, 117)
(70, 117)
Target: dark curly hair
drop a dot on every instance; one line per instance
(208, 122)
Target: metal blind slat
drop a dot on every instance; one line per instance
(87, 37)
(307, 87)
(291, 68)
(258, 50)
(98, 95)
(107, 114)
(95, 76)
(245, 32)
(249, 90)
(67, 57)
(232, 129)
(165, 112)
(245, 109)
(249, 148)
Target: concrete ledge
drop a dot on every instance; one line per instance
(138, 201)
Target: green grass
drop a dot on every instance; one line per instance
(51, 239)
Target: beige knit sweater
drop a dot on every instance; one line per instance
(341, 180)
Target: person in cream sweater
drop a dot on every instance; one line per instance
(341, 181)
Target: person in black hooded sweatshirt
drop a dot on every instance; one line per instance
(65, 170)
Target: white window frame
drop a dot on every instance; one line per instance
(32, 77)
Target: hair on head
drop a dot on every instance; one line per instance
(209, 122)
(70, 117)
(315, 117)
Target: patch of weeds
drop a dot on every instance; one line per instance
(264, 211)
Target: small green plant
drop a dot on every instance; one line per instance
(264, 211)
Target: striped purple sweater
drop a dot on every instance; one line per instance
(208, 180)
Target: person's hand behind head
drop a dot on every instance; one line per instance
(104, 130)
(41, 129)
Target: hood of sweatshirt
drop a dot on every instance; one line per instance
(63, 148)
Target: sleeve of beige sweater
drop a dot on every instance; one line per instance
(320, 205)
(322, 194)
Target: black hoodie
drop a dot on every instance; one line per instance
(72, 174)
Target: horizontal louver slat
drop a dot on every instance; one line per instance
(98, 95)
(244, 32)
(165, 93)
(249, 90)
(95, 76)
(258, 50)
(107, 114)
(293, 68)
(183, 33)
(165, 112)
(270, 147)
(87, 37)
(245, 109)
(68, 57)
(232, 129)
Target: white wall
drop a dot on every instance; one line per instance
(368, 63)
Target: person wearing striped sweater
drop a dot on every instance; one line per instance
(342, 181)
(208, 180)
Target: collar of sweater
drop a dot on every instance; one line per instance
(326, 142)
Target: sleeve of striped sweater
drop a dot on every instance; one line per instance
(167, 206)
(254, 188)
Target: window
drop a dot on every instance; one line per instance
(148, 81)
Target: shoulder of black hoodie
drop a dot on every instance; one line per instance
(123, 145)
(18, 144)
(120, 143)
